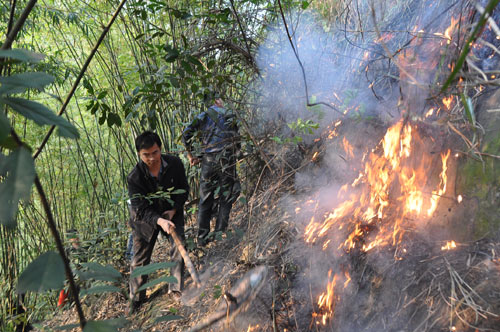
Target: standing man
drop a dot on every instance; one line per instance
(157, 188)
(217, 131)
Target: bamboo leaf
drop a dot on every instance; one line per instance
(157, 281)
(4, 126)
(19, 169)
(22, 55)
(97, 271)
(110, 325)
(100, 289)
(150, 268)
(21, 82)
(468, 109)
(44, 273)
(465, 51)
(66, 327)
(41, 115)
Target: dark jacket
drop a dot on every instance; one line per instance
(144, 192)
(216, 128)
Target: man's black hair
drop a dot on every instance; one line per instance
(146, 140)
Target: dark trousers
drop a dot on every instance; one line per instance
(218, 175)
(142, 256)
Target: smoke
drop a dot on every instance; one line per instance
(377, 63)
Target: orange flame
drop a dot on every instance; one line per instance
(253, 328)
(449, 245)
(450, 29)
(347, 148)
(396, 171)
(447, 101)
(326, 301)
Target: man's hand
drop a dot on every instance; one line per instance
(166, 225)
(192, 159)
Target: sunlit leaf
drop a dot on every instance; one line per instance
(22, 55)
(19, 169)
(21, 82)
(44, 273)
(41, 115)
(111, 325)
(100, 289)
(157, 281)
(150, 268)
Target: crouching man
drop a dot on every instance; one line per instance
(158, 189)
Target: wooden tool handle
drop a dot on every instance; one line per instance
(185, 256)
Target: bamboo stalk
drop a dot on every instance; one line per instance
(80, 76)
(185, 256)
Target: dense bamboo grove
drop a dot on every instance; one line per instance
(150, 71)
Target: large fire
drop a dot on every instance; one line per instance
(392, 190)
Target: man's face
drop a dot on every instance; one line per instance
(151, 156)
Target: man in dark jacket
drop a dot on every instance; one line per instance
(218, 132)
(157, 189)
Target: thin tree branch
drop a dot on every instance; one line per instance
(57, 238)
(80, 76)
(244, 37)
(19, 24)
(302, 66)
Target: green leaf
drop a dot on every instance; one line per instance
(20, 170)
(187, 67)
(8, 143)
(66, 327)
(111, 325)
(468, 109)
(21, 82)
(22, 55)
(157, 281)
(4, 126)
(102, 94)
(167, 318)
(44, 273)
(100, 289)
(304, 4)
(41, 115)
(174, 81)
(97, 271)
(172, 53)
(150, 268)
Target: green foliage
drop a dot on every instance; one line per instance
(97, 271)
(44, 273)
(18, 171)
(111, 325)
(301, 127)
(20, 55)
(157, 281)
(148, 269)
(217, 292)
(167, 318)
